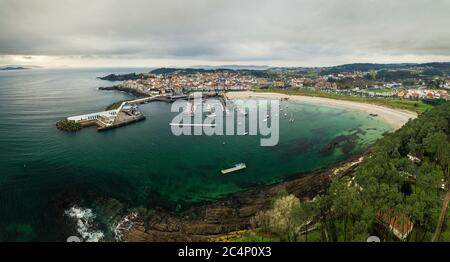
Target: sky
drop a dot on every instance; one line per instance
(150, 33)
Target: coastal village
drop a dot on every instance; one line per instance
(355, 83)
(411, 83)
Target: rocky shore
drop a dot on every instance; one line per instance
(114, 77)
(68, 126)
(131, 91)
(212, 220)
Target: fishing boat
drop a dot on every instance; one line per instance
(236, 167)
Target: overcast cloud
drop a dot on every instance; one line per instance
(183, 32)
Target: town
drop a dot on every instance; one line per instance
(413, 82)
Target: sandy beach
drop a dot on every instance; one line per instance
(395, 117)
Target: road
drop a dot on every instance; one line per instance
(437, 233)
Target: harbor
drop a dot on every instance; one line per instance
(126, 113)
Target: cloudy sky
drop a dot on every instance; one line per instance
(192, 32)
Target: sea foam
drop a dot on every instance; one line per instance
(84, 218)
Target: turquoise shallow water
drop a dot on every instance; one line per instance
(43, 170)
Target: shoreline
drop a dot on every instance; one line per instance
(395, 117)
(210, 220)
(207, 221)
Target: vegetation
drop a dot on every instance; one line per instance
(280, 220)
(115, 105)
(445, 234)
(69, 126)
(413, 105)
(427, 67)
(246, 236)
(399, 184)
(390, 75)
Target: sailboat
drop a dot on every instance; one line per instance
(291, 120)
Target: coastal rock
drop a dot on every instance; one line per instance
(169, 224)
(216, 219)
(217, 214)
(204, 229)
(249, 211)
(68, 126)
(124, 77)
(131, 91)
(222, 217)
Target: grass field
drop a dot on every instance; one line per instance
(412, 105)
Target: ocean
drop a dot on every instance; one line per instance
(45, 172)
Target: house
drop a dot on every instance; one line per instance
(401, 94)
(414, 159)
(398, 224)
(446, 84)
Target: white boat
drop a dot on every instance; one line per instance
(236, 167)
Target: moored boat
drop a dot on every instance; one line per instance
(237, 167)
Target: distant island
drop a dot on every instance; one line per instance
(10, 68)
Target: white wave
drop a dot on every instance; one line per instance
(85, 223)
(124, 225)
